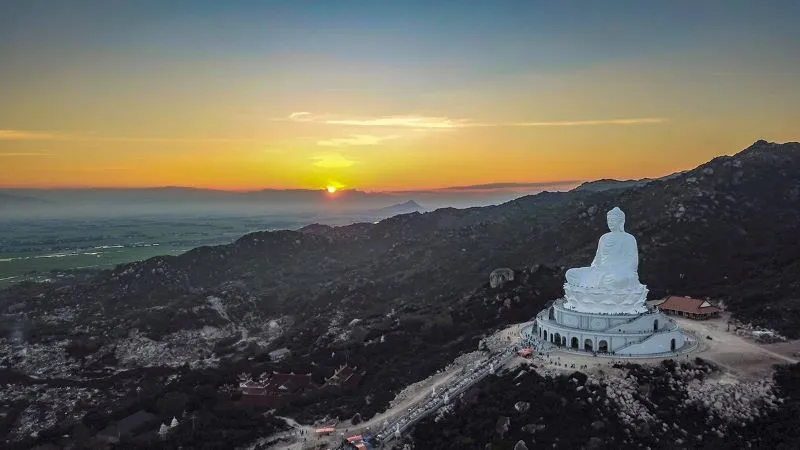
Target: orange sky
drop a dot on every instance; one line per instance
(158, 106)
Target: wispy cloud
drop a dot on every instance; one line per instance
(24, 154)
(356, 140)
(430, 122)
(510, 188)
(299, 115)
(332, 161)
(22, 135)
(19, 135)
(418, 122)
(405, 121)
(210, 140)
(582, 123)
(496, 186)
(103, 168)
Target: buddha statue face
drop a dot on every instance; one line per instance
(615, 219)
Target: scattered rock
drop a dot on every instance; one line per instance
(595, 443)
(499, 277)
(502, 426)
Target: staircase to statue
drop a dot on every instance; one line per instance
(664, 330)
(631, 320)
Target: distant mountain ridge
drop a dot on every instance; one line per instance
(122, 202)
(103, 202)
(347, 199)
(402, 208)
(17, 200)
(608, 183)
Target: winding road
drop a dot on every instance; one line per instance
(449, 385)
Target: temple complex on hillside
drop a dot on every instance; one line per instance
(275, 389)
(345, 377)
(604, 309)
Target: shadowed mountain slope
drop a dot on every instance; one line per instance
(726, 229)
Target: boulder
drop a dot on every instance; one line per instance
(533, 428)
(499, 277)
(595, 443)
(598, 425)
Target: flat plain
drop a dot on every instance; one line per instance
(38, 249)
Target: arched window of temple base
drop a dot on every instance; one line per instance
(564, 341)
(557, 339)
(544, 334)
(552, 314)
(574, 343)
(602, 346)
(587, 345)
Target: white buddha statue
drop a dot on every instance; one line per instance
(616, 263)
(611, 282)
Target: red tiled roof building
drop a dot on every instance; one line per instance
(689, 307)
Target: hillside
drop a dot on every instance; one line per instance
(627, 407)
(402, 297)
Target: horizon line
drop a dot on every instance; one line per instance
(444, 189)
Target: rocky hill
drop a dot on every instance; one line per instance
(681, 405)
(401, 297)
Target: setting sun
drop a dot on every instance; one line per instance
(331, 189)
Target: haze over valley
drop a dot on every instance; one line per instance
(45, 232)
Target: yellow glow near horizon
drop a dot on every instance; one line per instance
(627, 121)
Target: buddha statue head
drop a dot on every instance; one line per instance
(616, 220)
